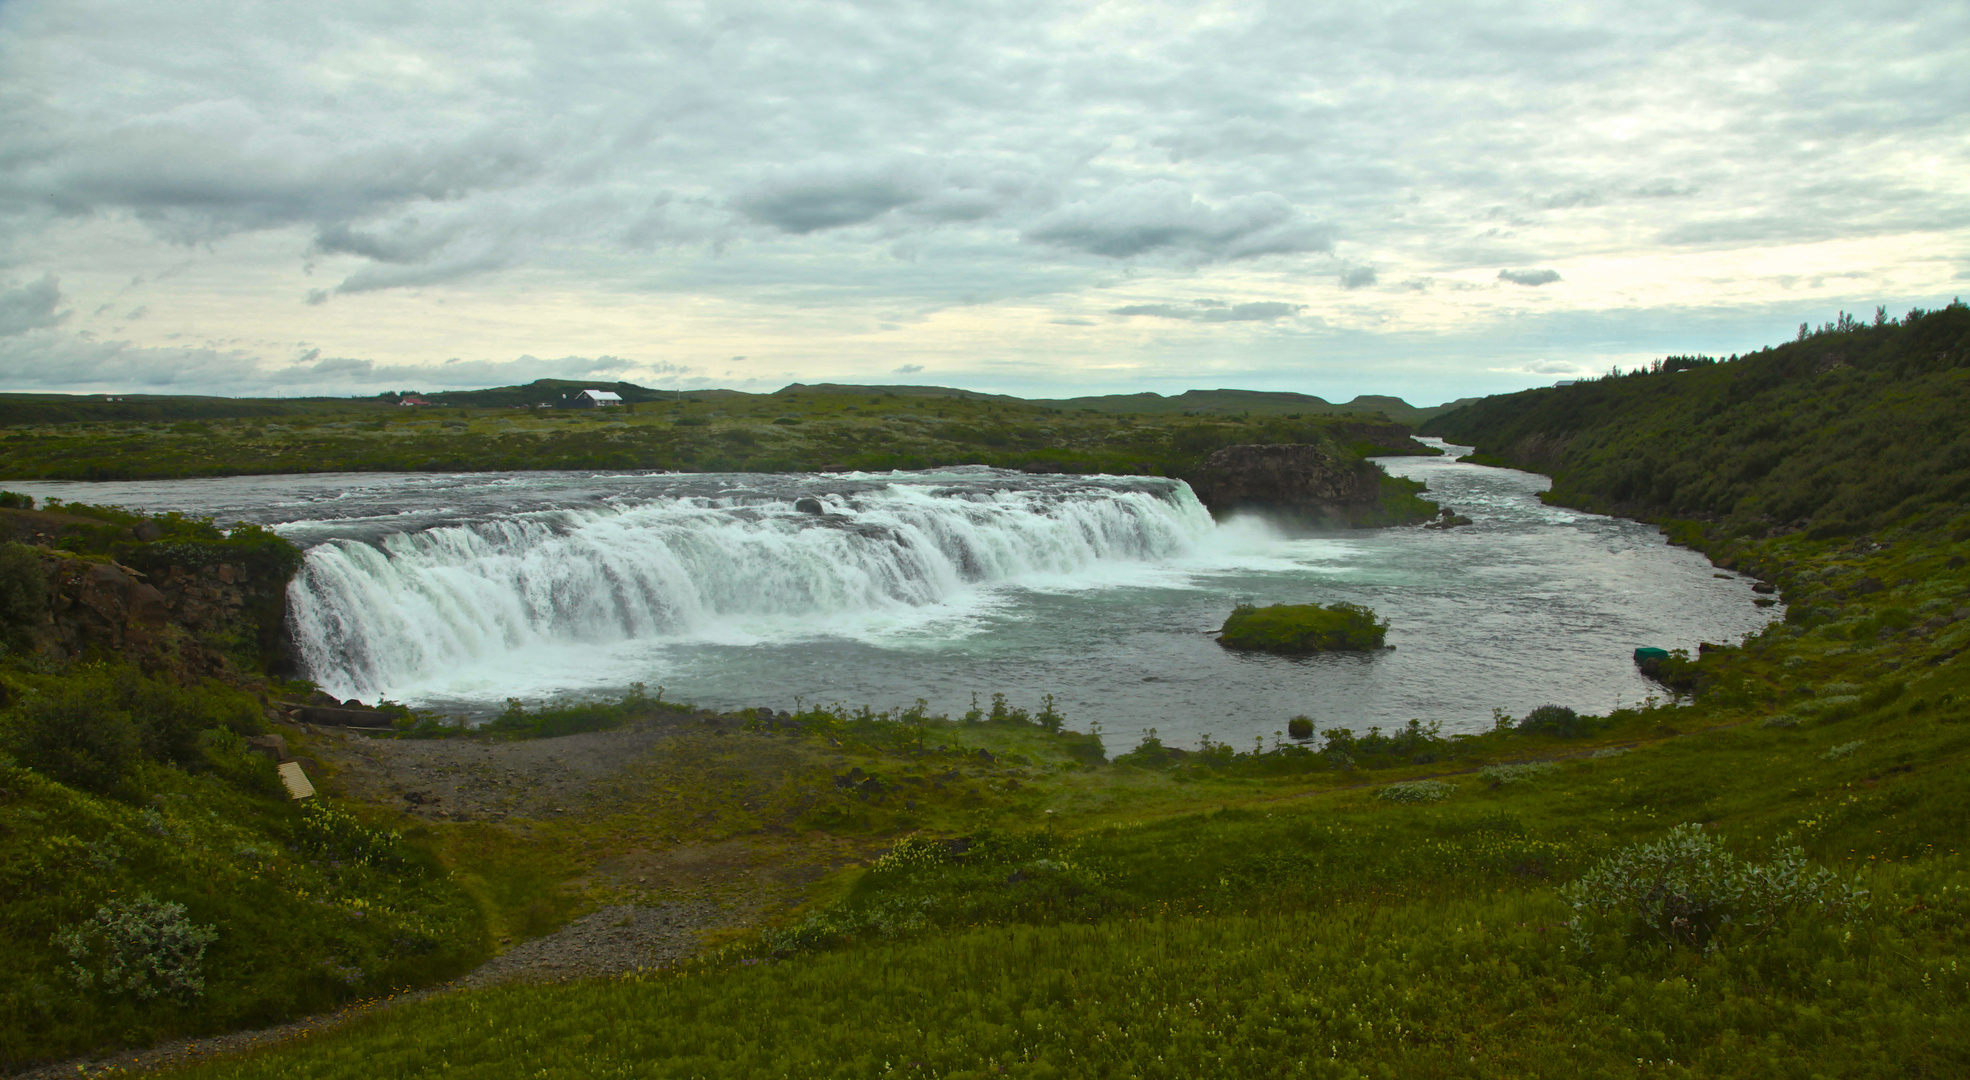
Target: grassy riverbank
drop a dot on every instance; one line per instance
(1282, 912)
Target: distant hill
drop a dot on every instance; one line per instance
(1256, 402)
(64, 408)
(1192, 402)
(551, 391)
(898, 391)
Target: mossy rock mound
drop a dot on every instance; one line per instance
(1303, 628)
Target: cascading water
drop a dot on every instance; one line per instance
(372, 616)
(457, 591)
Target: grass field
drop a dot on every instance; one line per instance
(832, 429)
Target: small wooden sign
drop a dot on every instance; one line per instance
(297, 783)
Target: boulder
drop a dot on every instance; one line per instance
(319, 714)
(808, 504)
(273, 746)
(1293, 479)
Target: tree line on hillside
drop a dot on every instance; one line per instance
(1852, 426)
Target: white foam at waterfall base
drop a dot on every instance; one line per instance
(564, 590)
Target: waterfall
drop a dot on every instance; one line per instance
(370, 615)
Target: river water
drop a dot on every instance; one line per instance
(457, 591)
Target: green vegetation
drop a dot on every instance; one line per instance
(1303, 628)
(799, 429)
(1229, 918)
(1852, 428)
(134, 821)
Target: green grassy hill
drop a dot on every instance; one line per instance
(1855, 427)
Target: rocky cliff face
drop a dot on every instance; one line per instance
(1314, 483)
(170, 595)
(193, 623)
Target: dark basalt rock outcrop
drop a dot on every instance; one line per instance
(109, 608)
(1302, 480)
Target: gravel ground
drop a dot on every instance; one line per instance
(469, 780)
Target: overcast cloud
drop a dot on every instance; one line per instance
(234, 197)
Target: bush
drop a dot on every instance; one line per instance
(68, 736)
(1302, 628)
(23, 595)
(140, 947)
(1521, 773)
(1843, 750)
(1556, 720)
(1417, 791)
(1685, 890)
(91, 728)
(1300, 727)
(328, 832)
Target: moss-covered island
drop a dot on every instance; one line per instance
(1303, 628)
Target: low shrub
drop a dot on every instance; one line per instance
(1685, 890)
(329, 832)
(1519, 773)
(1417, 791)
(1838, 752)
(140, 947)
(67, 736)
(90, 729)
(23, 593)
(1556, 720)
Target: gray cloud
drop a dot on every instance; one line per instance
(1358, 277)
(1529, 277)
(1161, 215)
(31, 306)
(908, 369)
(1568, 200)
(1215, 311)
(828, 195)
(752, 161)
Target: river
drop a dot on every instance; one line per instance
(457, 591)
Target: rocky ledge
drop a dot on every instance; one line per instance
(1301, 480)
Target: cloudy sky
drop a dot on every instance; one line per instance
(1037, 198)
